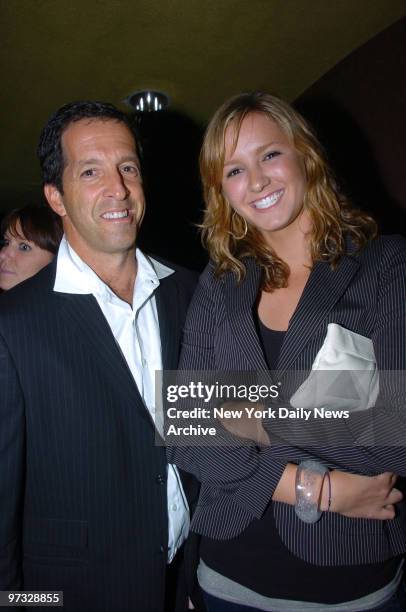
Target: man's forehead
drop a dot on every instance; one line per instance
(97, 131)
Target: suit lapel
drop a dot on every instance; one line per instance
(169, 329)
(93, 331)
(322, 291)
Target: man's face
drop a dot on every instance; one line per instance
(102, 205)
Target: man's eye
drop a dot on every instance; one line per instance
(23, 246)
(88, 172)
(129, 169)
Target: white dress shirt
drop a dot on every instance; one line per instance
(136, 330)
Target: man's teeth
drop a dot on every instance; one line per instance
(269, 200)
(115, 215)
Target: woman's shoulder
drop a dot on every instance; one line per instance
(384, 249)
(213, 278)
(393, 243)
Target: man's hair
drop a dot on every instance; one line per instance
(38, 224)
(50, 152)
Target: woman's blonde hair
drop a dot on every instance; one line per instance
(226, 234)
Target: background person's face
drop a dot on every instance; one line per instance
(102, 204)
(20, 258)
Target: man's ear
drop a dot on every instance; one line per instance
(54, 199)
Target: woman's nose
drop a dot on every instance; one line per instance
(258, 180)
(5, 252)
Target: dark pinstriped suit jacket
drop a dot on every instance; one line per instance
(366, 294)
(82, 482)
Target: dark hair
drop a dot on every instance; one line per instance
(40, 225)
(49, 149)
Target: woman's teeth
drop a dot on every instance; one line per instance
(269, 200)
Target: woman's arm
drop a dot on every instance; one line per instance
(350, 494)
(355, 496)
(249, 476)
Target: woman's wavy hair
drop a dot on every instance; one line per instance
(227, 236)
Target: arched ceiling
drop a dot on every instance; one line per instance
(198, 51)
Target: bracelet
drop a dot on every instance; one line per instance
(329, 489)
(309, 482)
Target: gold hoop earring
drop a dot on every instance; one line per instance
(245, 227)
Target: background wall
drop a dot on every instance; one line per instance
(359, 111)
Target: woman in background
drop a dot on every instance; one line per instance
(295, 273)
(31, 237)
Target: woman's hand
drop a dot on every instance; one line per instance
(355, 496)
(372, 497)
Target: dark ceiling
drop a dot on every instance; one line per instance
(199, 53)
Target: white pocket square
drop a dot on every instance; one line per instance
(344, 374)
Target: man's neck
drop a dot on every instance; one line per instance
(117, 270)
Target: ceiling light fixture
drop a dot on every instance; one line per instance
(147, 101)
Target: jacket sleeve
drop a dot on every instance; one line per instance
(249, 475)
(242, 473)
(12, 442)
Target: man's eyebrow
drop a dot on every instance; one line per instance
(84, 162)
(96, 160)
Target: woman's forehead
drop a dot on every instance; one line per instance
(15, 230)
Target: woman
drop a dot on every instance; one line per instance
(294, 273)
(31, 237)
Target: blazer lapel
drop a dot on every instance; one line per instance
(240, 300)
(323, 289)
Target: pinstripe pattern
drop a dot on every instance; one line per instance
(82, 483)
(365, 294)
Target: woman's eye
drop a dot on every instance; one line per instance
(23, 246)
(4, 243)
(233, 172)
(272, 154)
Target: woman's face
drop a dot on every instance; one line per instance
(20, 258)
(263, 177)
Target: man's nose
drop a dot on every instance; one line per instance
(115, 186)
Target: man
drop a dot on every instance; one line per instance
(88, 505)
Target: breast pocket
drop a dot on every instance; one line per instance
(344, 375)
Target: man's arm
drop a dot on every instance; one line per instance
(12, 465)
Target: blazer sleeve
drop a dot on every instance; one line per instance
(389, 340)
(246, 475)
(249, 475)
(12, 441)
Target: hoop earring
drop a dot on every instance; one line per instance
(245, 227)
